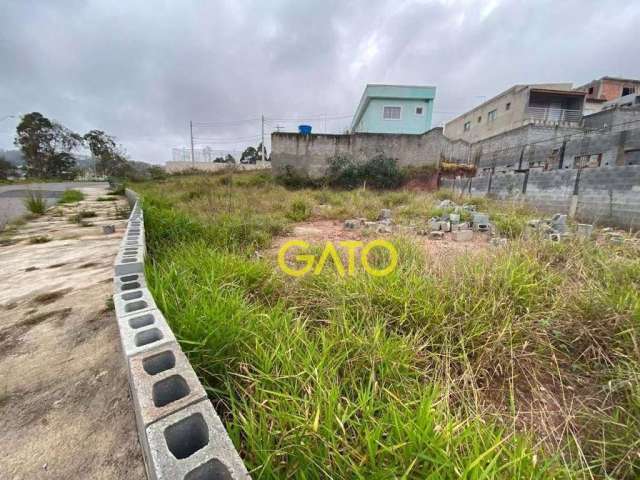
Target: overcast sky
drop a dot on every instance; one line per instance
(141, 70)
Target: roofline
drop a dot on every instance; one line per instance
(501, 94)
(565, 92)
(364, 99)
(531, 86)
(397, 85)
(621, 79)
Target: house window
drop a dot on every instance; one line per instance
(467, 126)
(491, 116)
(419, 111)
(590, 90)
(507, 106)
(632, 157)
(628, 91)
(480, 119)
(392, 113)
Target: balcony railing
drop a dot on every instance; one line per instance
(553, 115)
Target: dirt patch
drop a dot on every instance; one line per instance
(318, 232)
(65, 410)
(45, 298)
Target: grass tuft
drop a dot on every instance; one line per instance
(71, 196)
(35, 203)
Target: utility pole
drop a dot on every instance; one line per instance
(193, 160)
(264, 153)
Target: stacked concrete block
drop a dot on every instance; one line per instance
(179, 431)
(132, 281)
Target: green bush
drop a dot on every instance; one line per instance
(35, 203)
(71, 196)
(299, 211)
(378, 172)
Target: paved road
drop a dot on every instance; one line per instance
(11, 196)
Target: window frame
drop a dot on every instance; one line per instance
(492, 115)
(466, 126)
(415, 111)
(384, 107)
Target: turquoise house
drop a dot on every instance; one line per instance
(394, 109)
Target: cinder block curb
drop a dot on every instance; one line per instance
(179, 431)
(133, 301)
(193, 444)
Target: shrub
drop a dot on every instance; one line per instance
(292, 179)
(299, 211)
(70, 196)
(378, 172)
(382, 172)
(35, 203)
(343, 172)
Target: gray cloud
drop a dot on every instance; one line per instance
(141, 70)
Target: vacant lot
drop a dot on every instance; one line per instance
(468, 361)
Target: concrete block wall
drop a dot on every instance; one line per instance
(181, 436)
(605, 195)
(309, 154)
(610, 196)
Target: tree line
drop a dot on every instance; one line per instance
(47, 148)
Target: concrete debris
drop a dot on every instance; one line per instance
(615, 238)
(559, 223)
(481, 222)
(446, 204)
(460, 226)
(385, 221)
(463, 235)
(384, 229)
(498, 242)
(108, 229)
(454, 217)
(584, 231)
(436, 235)
(385, 214)
(469, 207)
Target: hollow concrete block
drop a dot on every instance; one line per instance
(162, 382)
(144, 331)
(130, 259)
(133, 301)
(193, 444)
(124, 283)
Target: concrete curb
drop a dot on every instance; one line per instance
(181, 434)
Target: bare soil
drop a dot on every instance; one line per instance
(318, 232)
(65, 410)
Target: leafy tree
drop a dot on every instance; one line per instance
(46, 146)
(229, 158)
(250, 155)
(218, 160)
(6, 168)
(110, 160)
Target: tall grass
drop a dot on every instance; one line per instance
(35, 203)
(71, 196)
(518, 364)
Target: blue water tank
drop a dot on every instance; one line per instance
(304, 129)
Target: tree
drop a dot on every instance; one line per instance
(229, 158)
(109, 159)
(46, 146)
(250, 155)
(218, 160)
(7, 169)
